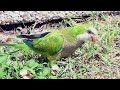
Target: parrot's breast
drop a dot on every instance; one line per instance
(69, 48)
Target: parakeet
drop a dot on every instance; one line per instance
(60, 43)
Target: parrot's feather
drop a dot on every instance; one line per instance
(70, 33)
(33, 36)
(16, 45)
(50, 44)
(29, 43)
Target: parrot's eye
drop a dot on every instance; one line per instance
(89, 32)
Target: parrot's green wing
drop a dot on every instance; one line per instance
(51, 44)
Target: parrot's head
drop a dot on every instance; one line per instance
(89, 34)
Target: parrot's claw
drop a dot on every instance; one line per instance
(54, 69)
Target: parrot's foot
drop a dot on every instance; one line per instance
(54, 69)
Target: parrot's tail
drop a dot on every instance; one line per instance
(16, 45)
(6, 44)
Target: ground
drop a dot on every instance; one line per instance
(92, 61)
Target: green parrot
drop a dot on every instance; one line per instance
(59, 43)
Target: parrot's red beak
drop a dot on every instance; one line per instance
(94, 38)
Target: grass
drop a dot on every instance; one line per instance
(92, 61)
